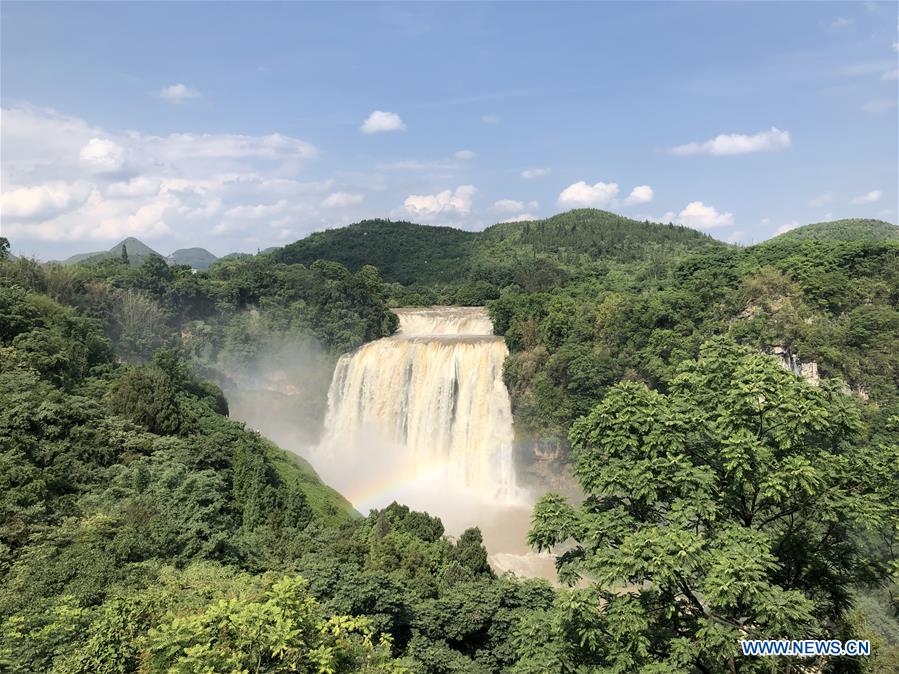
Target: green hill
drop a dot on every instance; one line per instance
(854, 229)
(196, 258)
(595, 234)
(420, 254)
(402, 251)
(81, 257)
(138, 251)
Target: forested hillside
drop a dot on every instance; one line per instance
(144, 531)
(402, 251)
(588, 298)
(842, 230)
(464, 266)
(832, 303)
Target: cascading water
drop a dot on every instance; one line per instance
(423, 410)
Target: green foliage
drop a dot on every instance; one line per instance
(281, 631)
(854, 229)
(140, 530)
(829, 302)
(737, 505)
(148, 397)
(402, 251)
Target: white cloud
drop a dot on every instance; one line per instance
(102, 155)
(523, 217)
(490, 119)
(179, 147)
(864, 68)
(641, 194)
(342, 199)
(256, 211)
(42, 201)
(878, 105)
(697, 214)
(828, 216)
(868, 198)
(580, 195)
(840, 22)
(890, 75)
(736, 236)
(381, 122)
(179, 93)
(513, 206)
(141, 186)
(783, 229)
(529, 174)
(451, 163)
(445, 202)
(737, 143)
(821, 200)
(61, 180)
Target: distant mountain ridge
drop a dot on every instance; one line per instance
(406, 252)
(138, 251)
(196, 258)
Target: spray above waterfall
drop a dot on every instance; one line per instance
(423, 416)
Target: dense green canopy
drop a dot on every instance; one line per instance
(725, 497)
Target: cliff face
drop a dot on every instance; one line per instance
(809, 371)
(789, 361)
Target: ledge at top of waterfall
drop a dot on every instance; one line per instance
(449, 321)
(423, 416)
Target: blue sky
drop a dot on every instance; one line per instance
(241, 126)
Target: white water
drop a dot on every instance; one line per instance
(423, 416)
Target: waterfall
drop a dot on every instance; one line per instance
(425, 408)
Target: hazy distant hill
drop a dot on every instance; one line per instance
(197, 258)
(138, 251)
(854, 229)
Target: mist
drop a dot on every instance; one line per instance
(422, 418)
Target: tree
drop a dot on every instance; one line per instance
(734, 507)
(4, 248)
(125, 254)
(281, 631)
(148, 397)
(140, 325)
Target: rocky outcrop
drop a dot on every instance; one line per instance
(789, 361)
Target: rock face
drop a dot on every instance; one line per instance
(789, 361)
(809, 371)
